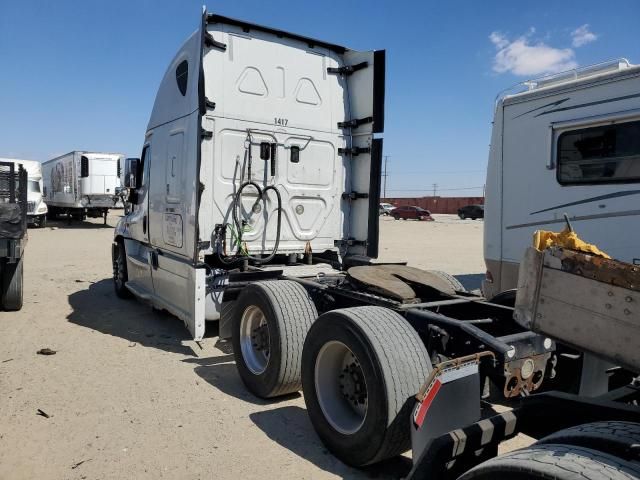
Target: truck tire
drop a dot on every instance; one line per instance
(120, 274)
(361, 368)
(554, 462)
(270, 323)
(12, 282)
(614, 438)
(450, 279)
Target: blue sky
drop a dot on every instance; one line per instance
(83, 74)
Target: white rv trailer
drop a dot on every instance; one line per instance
(81, 184)
(37, 208)
(569, 144)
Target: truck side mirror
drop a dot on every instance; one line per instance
(44, 192)
(131, 167)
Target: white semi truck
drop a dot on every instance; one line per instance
(568, 143)
(36, 206)
(81, 184)
(255, 203)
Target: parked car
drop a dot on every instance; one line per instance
(416, 213)
(471, 211)
(385, 209)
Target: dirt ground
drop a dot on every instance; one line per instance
(130, 396)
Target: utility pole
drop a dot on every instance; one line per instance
(384, 175)
(435, 188)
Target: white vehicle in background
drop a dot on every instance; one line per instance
(385, 208)
(81, 184)
(37, 208)
(569, 144)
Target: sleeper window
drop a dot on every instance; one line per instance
(603, 154)
(182, 76)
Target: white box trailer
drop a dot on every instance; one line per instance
(81, 184)
(568, 144)
(36, 206)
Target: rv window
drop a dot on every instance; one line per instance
(182, 75)
(604, 154)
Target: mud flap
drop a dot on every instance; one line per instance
(365, 85)
(449, 400)
(195, 321)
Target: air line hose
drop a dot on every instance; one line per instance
(237, 204)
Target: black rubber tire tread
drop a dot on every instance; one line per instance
(12, 283)
(614, 438)
(405, 365)
(294, 312)
(554, 462)
(450, 279)
(121, 291)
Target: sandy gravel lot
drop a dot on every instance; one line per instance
(130, 396)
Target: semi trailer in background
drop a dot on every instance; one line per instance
(36, 205)
(255, 203)
(13, 232)
(81, 184)
(569, 143)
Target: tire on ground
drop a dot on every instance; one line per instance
(394, 364)
(289, 313)
(120, 274)
(11, 285)
(614, 438)
(450, 279)
(554, 461)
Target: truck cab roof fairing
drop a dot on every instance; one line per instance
(170, 104)
(246, 26)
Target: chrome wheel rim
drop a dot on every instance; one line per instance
(341, 387)
(254, 339)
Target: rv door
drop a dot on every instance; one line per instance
(364, 73)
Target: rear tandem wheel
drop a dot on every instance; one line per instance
(270, 321)
(361, 368)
